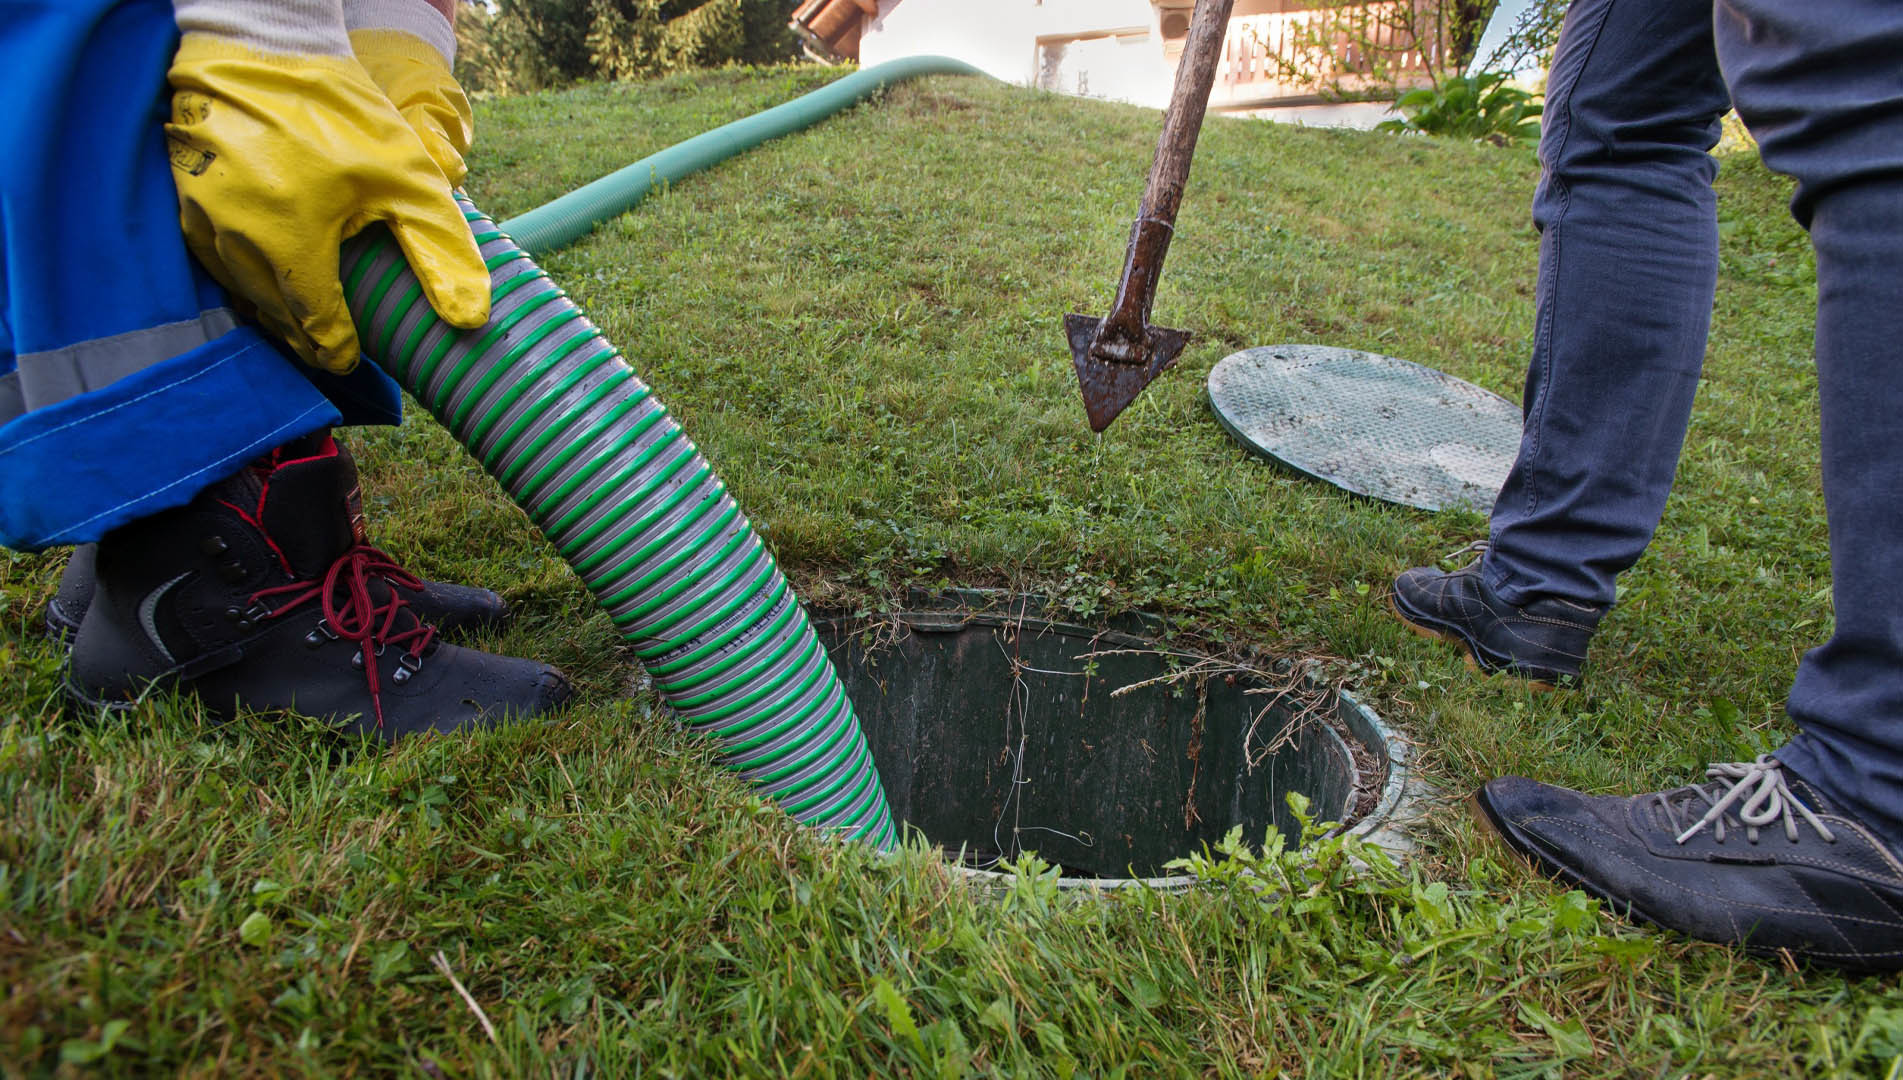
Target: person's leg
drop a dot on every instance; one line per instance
(139, 411)
(1628, 266)
(1821, 86)
(1802, 850)
(131, 381)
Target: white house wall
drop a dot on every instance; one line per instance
(1121, 59)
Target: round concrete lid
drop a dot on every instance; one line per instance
(1369, 424)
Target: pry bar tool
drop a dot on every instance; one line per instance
(1116, 357)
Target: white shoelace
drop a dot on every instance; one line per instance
(1478, 547)
(1756, 791)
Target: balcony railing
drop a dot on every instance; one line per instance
(1346, 50)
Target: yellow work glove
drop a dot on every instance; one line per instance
(414, 76)
(278, 159)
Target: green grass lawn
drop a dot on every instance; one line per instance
(860, 327)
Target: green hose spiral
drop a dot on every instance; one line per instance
(582, 445)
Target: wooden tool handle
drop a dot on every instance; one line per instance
(1124, 336)
(1195, 77)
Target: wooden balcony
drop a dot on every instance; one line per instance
(1319, 53)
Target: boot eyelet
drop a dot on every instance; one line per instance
(410, 662)
(213, 545)
(321, 634)
(400, 675)
(232, 572)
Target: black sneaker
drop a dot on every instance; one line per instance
(259, 594)
(454, 610)
(1543, 642)
(1755, 857)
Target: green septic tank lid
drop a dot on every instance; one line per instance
(1369, 424)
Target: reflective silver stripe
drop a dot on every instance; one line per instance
(149, 616)
(11, 403)
(50, 377)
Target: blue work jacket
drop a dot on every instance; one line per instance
(127, 383)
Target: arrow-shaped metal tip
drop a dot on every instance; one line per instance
(1108, 387)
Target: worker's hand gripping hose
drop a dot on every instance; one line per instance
(584, 447)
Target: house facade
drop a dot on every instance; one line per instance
(1127, 50)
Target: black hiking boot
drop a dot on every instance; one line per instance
(1755, 857)
(454, 610)
(67, 608)
(1543, 642)
(260, 594)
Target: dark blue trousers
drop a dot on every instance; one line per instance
(1628, 267)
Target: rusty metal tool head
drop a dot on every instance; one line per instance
(1117, 356)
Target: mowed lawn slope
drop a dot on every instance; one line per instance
(860, 326)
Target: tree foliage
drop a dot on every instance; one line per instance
(531, 44)
(1530, 39)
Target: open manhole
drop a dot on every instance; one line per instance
(999, 731)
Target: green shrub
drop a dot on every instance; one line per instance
(1480, 107)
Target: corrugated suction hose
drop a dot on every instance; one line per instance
(583, 446)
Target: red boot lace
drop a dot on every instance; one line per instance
(352, 614)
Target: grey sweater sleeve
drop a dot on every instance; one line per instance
(287, 27)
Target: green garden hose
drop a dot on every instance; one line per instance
(564, 220)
